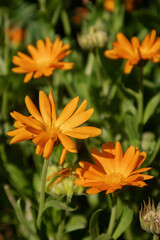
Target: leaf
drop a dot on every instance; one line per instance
(150, 108)
(132, 129)
(56, 203)
(93, 225)
(148, 18)
(60, 230)
(103, 236)
(76, 222)
(23, 221)
(124, 221)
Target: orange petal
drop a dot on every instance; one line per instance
(25, 135)
(53, 107)
(67, 143)
(28, 77)
(78, 120)
(45, 107)
(32, 109)
(67, 111)
(63, 156)
(48, 149)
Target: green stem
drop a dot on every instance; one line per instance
(6, 42)
(66, 23)
(155, 237)
(113, 215)
(49, 81)
(89, 65)
(42, 192)
(140, 100)
(42, 5)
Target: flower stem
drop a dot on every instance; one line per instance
(89, 65)
(42, 192)
(155, 237)
(140, 100)
(113, 215)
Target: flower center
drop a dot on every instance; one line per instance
(114, 178)
(53, 132)
(43, 62)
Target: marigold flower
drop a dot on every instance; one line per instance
(46, 130)
(16, 34)
(134, 51)
(44, 59)
(112, 170)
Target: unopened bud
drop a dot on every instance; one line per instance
(93, 40)
(61, 182)
(150, 217)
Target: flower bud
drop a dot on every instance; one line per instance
(61, 182)
(93, 40)
(150, 217)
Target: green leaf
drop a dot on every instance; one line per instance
(132, 129)
(93, 225)
(60, 230)
(76, 222)
(148, 18)
(103, 236)
(123, 222)
(50, 202)
(23, 221)
(150, 108)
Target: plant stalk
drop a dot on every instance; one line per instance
(113, 216)
(42, 192)
(155, 237)
(140, 99)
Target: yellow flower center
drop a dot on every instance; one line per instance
(53, 132)
(44, 62)
(114, 178)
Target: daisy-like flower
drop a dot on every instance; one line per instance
(44, 59)
(135, 52)
(112, 170)
(46, 130)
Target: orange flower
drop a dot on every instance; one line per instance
(109, 5)
(16, 35)
(46, 130)
(112, 170)
(44, 59)
(134, 51)
(130, 5)
(80, 14)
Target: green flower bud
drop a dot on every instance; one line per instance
(150, 217)
(61, 182)
(93, 40)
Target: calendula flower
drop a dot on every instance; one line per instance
(112, 170)
(44, 59)
(135, 52)
(130, 5)
(46, 130)
(16, 34)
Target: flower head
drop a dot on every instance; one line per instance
(112, 170)
(46, 130)
(135, 52)
(44, 59)
(16, 34)
(149, 217)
